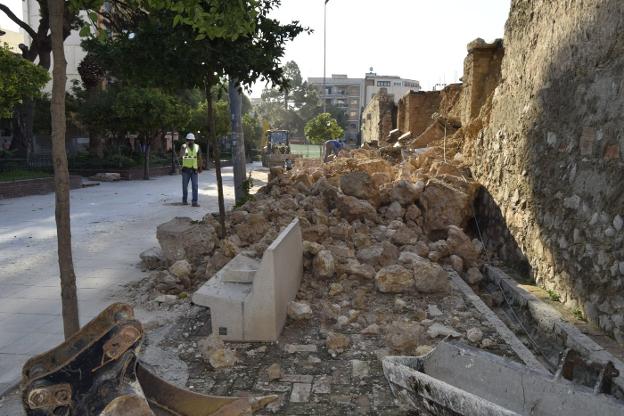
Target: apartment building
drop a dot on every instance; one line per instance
(391, 84)
(345, 93)
(353, 94)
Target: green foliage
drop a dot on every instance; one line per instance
(20, 80)
(199, 119)
(86, 161)
(252, 131)
(578, 314)
(554, 296)
(21, 174)
(246, 185)
(323, 127)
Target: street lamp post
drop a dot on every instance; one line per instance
(324, 55)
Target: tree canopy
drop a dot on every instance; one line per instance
(20, 80)
(323, 127)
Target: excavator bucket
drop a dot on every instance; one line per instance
(97, 373)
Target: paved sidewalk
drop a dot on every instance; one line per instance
(111, 224)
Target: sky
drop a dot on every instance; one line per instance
(423, 40)
(16, 7)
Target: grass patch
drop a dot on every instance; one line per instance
(20, 174)
(578, 314)
(554, 296)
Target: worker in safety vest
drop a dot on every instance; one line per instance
(191, 168)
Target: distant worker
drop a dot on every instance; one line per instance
(191, 168)
(331, 146)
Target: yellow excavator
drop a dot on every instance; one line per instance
(97, 372)
(277, 150)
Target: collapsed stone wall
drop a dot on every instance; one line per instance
(378, 118)
(415, 110)
(482, 74)
(551, 156)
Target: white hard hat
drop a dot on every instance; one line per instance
(190, 136)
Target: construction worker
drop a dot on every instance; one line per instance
(191, 168)
(331, 146)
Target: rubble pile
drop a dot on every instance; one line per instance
(380, 239)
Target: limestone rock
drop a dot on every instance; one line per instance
(461, 245)
(324, 265)
(253, 229)
(433, 311)
(474, 335)
(152, 258)
(355, 268)
(382, 254)
(456, 263)
(337, 343)
(182, 238)
(274, 372)
(372, 329)
(406, 193)
(311, 248)
(335, 289)
(439, 330)
(230, 246)
(394, 211)
(360, 185)
(445, 205)
(404, 236)
(413, 213)
(473, 276)
(403, 336)
(394, 279)
(299, 311)
(380, 178)
(222, 358)
(352, 208)
(216, 353)
(430, 277)
(181, 269)
(106, 177)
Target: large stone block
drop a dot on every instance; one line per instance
(182, 238)
(256, 311)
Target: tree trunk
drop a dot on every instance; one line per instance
(212, 139)
(69, 299)
(146, 156)
(22, 127)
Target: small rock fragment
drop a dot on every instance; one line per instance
(474, 335)
(274, 372)
(439, 330)
(299, 311)
(337, 343)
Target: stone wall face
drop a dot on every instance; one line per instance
(551, 157)
(378, 118)
(415, 110)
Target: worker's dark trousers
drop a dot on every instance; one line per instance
(189, 174)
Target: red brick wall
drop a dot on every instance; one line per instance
(42, 186)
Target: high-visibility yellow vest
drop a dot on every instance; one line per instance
(189, 157)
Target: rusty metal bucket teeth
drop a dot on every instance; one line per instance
(96, 373)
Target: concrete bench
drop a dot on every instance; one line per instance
(248, 300)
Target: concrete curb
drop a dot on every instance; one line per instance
(505, 333)
(551, 321)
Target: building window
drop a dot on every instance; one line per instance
(384, 83)
(397, 84)
(353, 114)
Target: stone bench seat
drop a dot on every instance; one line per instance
(248, 299)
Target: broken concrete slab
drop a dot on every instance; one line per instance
(257, 311)
(461, 380)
